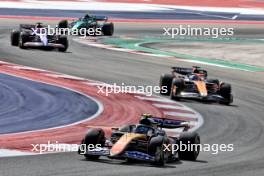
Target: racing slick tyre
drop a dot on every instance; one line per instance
(159, 156)
(15, 38)
(131, 160)
(189, 139)
(94, 137)
(156, 149)
(23, 39)
(165, 81)
(64, 41)
(108, 29)
(176, 88)
(63, 24)
(225, 92)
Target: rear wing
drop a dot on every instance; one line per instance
(101, 18)
(29, 26)
(186, 71)
(169, 123)
(26, 26)
(182, 70)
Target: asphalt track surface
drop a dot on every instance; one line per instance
(27, 105)
(240, 124)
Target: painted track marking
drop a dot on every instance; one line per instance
(72, 134)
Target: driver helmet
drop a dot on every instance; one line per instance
(86, 16)
(194, 77)
(38, 25)
(198, 72)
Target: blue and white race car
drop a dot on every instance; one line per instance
(37, 36)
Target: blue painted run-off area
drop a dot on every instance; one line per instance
(27, 105)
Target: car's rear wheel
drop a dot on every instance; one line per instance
(94, 137)
(63, 24)
(165, 84)
(131, 160)
(176, 89)
(108, 29)
(189, 139)
(64, 41)
(15, 38)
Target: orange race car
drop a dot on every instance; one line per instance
(193, 83)
(146, 141)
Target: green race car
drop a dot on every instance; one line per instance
(90, 25)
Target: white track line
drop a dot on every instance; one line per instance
(64, 76)
(165, 106)
(9, 153)
(156, 99)
(179, 114)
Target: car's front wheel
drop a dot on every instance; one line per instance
(225, 92)
(93, 137)
(23, 39)
(156, 149)
(108, 29)
(159, 156)
(176, 89)
(191, 143)
(165, 84)
(15, 38)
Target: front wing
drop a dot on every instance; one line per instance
(209, 97)
(127, 154)
(40, 44)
